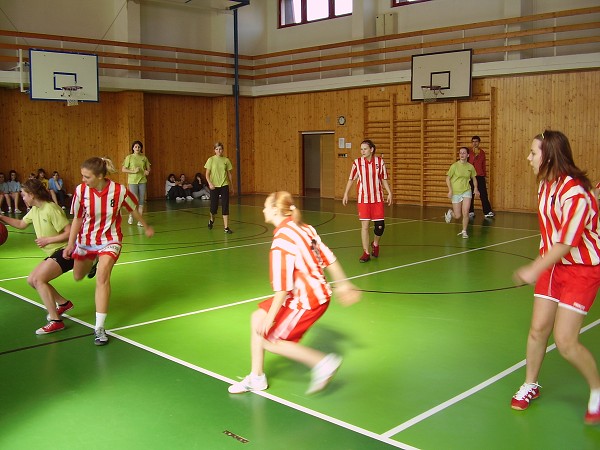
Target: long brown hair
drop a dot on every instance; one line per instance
(557, 159)
(36, 188)
(99, 166)
(283, 201)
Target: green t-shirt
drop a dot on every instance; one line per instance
(218, 166)
(131, 162)
(460, 174)
(48, 220)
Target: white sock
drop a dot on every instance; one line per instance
(100, 318)
(594, 403)
(257, 377)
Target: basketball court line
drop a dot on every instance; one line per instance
(472, 391)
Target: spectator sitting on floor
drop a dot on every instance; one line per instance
(173, 189)
(200, 187)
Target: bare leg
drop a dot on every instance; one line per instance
(102, 296)
(542, 321)
(292, 350)
(82, 268)
(466, 204)
(39, 279)
(257, 350)
(225, 221)
(364, 234)
(566, 334)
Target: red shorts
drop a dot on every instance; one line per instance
(370, 211)
(84, 252)
(291, 324)
(572, 286)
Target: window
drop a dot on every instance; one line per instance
(295, 12)
(406, 2)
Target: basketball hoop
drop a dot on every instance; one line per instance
(430, 93)
(71, 95)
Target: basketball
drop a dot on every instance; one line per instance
(3, 233)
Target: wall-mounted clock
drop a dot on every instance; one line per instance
(341, 120)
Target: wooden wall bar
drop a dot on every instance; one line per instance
(179, 131)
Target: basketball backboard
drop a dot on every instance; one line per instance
(50, 71)
(451, 71)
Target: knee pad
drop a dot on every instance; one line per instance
(379, 227)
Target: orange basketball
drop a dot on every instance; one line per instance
(3, 233)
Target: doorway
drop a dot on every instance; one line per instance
(318, 164)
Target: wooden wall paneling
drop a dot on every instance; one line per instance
(408, 153)
(378, 115)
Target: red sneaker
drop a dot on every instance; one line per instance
(592, 418)
(374, 250)
(524, 395)
(365, 257)
(52, 327)
(61, 309)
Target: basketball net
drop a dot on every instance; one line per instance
(430, 93)
(70, 93)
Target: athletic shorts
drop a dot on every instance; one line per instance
(370, 211)
(458, 198)
(93, 251)
(571, 286)
(65, 264)
(291, 324)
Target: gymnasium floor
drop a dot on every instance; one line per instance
(432, 354)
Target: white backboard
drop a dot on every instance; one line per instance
(49, 71)
(450, 70)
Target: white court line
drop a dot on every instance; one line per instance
(472, 391)
(385, 437)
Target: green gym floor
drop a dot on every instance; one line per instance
(432, 353)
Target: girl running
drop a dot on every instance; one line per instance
(566, 274)
(52, 232)
(297, 260)
(96, 231)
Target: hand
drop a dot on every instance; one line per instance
(146, 172)
(263, 327)
(525, 274)
(149, 231)
(211, 186)
(476, 193)
(68, 251)
(347, 294)
(449, 194)
(389, 199)
(42, 242)
(345, 200)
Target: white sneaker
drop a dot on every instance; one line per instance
(140, 224)
(463, 234)
(471, 215)
(18, 211)
(323, 372)
(448, 216)
(490, 214)
(9, 210)
(248, 384)
(180, 199)
(130, 220)
(189, 198)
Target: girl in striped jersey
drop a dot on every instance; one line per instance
(96, 230)
(567, 272)
(297, 260)
(371, 177)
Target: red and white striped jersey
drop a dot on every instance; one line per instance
(369, 175)
(568, 214)
(297, 259)
(100, 212)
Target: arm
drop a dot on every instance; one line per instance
(345, 292)
(475, 190)
(148, 230)
(531, 272)
(19, 224)
(449, 184)
(230, 181)
(62, 237)
(386, 185)
(348, 186)
(263, 328)
(75, 227)
(126, 170)
(210, 185)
